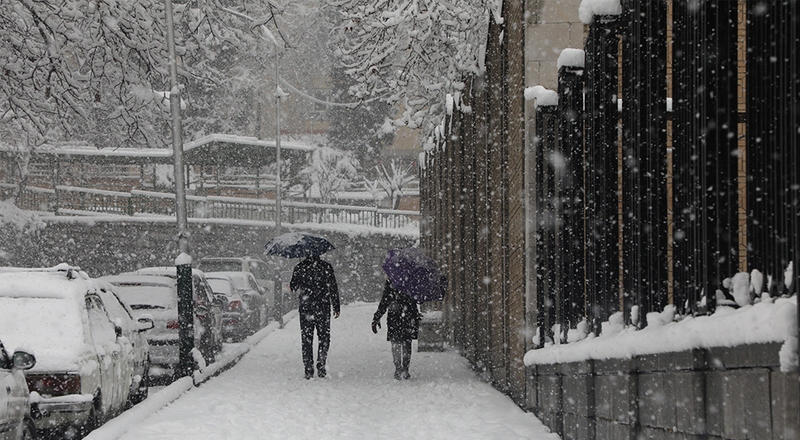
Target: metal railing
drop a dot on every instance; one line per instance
(70, 200)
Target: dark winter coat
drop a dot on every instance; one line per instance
(402, 319)
(315, 284)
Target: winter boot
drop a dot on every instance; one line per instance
(406, 359)
(397, 357)
(321, 370)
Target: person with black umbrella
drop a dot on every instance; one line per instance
(314, 282)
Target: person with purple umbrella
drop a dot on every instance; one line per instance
(402, 321)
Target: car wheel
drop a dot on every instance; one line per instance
(89, 425)
(218, 343)
(144, 388)
(28, 431)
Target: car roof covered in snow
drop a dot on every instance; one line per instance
(57, 282)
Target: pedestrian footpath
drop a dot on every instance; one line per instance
(265, 395)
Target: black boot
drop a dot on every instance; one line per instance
(406, 359)
(321, 370)
(397, 357)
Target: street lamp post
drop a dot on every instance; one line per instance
(277, 145)
(177, 140)
(278, 289)
(183, 262)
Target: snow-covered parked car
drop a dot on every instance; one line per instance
(84, 365)
(134, 330)
(239, 320)
(156, 297)
(15, 414)
(252, 293)
(207, 308)
(261, 272)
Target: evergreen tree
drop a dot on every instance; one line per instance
(358, 129)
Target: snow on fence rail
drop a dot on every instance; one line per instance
(73, 200)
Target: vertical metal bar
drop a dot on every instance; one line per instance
(644, 142)
(570, 182)
(771, 137)
(547, 290)
(602, 200)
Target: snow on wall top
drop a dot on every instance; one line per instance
(771, 320)
(572, 57)
(541, 96)
(589, 8)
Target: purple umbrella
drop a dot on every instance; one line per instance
(415, 274)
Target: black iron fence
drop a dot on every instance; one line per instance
(658, 233)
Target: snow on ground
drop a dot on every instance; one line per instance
(266, 397)
(769, 320)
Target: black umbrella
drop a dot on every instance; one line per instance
(298, 245)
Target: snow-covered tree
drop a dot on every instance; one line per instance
(329, 171)
(357, 129)
(76, 68)
(392, 179)
(412, 52)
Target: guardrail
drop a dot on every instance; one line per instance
(70, 200)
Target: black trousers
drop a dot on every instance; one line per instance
(319, 320)
(401, 354)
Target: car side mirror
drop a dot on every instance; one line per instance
(118, 331)
(220, 299)
(145, 323)
(23, 360)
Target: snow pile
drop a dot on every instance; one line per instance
(25, 221)
(763, 322)
(541, 96)
(572, 58)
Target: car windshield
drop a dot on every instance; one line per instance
(49, 327)
(242, 282)
(144, 297)
(220, 266)
(220, 285)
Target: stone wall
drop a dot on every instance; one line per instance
(720, 393)
(110, 247)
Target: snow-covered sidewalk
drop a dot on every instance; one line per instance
(266, 397)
